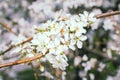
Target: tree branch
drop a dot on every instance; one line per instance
(21, 61)
(107, 14)
(8, 28)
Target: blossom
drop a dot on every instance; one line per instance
(87, 17)
(108, 24)
(89, 64)
(101, 66)
(77, 60)
(57, 61)
(84, 58)
(54, 37)
(41, 40)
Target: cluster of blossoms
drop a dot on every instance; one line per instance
(55, 37)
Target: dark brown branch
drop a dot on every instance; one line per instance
(107, 14)
(21, 61)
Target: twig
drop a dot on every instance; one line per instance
(107, 14)
(8, 28)
(12, 46)
(21, 61)
(35, 74)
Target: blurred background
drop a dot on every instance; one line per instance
(99, 59)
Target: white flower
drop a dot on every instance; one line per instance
(72, 44)
(84, 58)
(78, 40)
(108, 24)
(56, 48)
(89, 64)
(77, 60)
(57, 61)
(87, 17)
(43, 43)
(101, 66)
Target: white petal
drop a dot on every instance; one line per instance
(91, 15)
(77, 60)
(57, 42)
(83, 38)
(72, 28)
(66, 36)
(84, 58)
(72, 47)
(85, 13)
(72, 36)
(78, 33)
(62, 40)
(72, 42)
(79, 44)
(52, 51)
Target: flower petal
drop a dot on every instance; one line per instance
(79, 44)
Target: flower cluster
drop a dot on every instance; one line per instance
(19, 15)
(54, 37)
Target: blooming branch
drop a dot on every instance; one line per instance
(73, 37)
